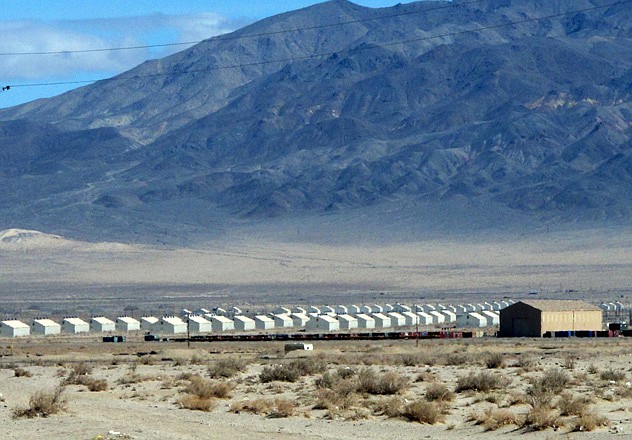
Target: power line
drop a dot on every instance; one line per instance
(239, 37)
(326, 54)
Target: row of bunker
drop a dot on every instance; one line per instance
(210, 323)
(530, 318)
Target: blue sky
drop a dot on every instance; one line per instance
(62, 25)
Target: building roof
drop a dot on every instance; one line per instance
(327, 318)
(364, 317)
(222, 319)
(75, 321)
(198, 319)
(102, 320)
(173, 320)
(243, 318)
(150, 319)
(127, 320)
(282, 316)
(347, 318)
(13, 323)
(263, 318)
(46, 322)
(557, 305)
(477, 315)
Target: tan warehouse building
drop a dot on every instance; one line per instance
(534, 318)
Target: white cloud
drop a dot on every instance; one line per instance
(77, 35)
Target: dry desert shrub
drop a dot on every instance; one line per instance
(207, 389)
(196, 403)
(21, 372)
(416, 360)
(456, 359)
(569, 361)
(273, 408)
(43, 404)
(282, 373)
(340, 378)
(493, 419)
(97, 385)
(482, 382)
(147, 360)
(570, 405)
(589, 421)
(293, 371)
(426, 376)
(130, 378)
(390, 407)
(227, 368)
(82, 369)
(80, 375)
(423, 411)
(526, 361)
(552, 381)
(439, 392)
(542, 416)
(334, 400)
(494, 360)
(612, 375)
(370, 382)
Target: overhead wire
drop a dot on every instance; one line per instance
(237, 36)
(331, 53)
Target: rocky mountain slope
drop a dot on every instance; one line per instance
(518, 108)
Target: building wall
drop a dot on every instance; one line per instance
(572, 320)
(520, 320)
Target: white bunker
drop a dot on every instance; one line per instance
(13, 328)
(323, 323)
(198, 324)
(243, 323)
(171, 325)
(222, 324)
(74, 325)
(45, 326)
(101, 324)
(127, 324)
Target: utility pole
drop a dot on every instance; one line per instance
(417, 332)
(188, 331)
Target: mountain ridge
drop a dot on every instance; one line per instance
(531, 118)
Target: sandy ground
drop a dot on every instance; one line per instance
(148, 409)
(592, 265)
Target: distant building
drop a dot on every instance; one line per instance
(283, 321)
(365, 321)
(299, 319)
(222, 324)
(127, 324)
(147, 323)
(381, 320)
(323, 323)
(533, 318)
(13, 328)
(199, 324)
(101, 324)
(171, 325)
(425, 318)
(74, 325)
(472, 320)
(263, 322)
(347, 322)
(43, 326)
(243, 323)
(397, 319)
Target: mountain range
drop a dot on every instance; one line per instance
(505, 112)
